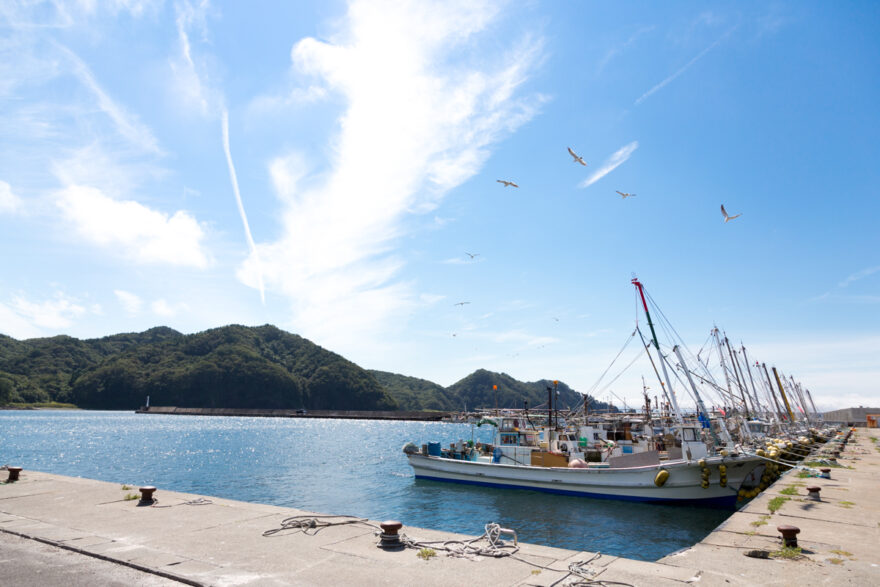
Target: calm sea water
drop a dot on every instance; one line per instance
(334, 467)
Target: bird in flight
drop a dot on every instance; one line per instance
(577, 158)
(625, 195)
(728, 217)
(461, 303)
(472, 255)
(507, 183)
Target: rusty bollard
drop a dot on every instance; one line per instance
(825, 473)
(13, 474)
(147, 495)
(814, 493)
(789, 535)
(389, 538)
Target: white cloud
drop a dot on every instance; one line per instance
(130, 302)
(617, 159)
(162, 308)
(58, 312)
(9, 202)
(424, 103)
(139, 233)
(15, 325)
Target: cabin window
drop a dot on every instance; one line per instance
(595, 436)
(689, 435)
(508, 439)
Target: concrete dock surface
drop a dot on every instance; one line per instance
(73, 528)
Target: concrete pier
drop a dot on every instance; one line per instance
(195, 540)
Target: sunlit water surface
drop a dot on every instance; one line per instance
(349, 467)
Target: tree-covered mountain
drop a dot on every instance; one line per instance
(236, 367)
(232, 367)
(476, 391)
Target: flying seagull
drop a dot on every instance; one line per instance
(577, 158)
(728, 217)
(461, 303)
(625, 195)
(472, 255)
(507, 183)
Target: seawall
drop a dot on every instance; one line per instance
(259, 413)
(200, 540)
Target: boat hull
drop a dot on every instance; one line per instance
(629, 484)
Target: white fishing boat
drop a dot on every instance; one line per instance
(699, 468)
(519, 459)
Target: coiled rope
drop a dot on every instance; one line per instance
(494, 546)
(311, 525)
(197, 501)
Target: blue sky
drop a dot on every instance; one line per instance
(326, 167)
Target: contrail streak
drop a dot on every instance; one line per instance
(244, 220)
(687, 66)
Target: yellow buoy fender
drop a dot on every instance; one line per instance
(662, 476)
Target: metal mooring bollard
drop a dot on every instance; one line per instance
(789, 535)
(814, 493)
(389, 538)
(13, 474)
(147, 495)
(825, 473)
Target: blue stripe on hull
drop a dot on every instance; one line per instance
(728, 502)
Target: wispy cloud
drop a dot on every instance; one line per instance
(615, 51)
(9, 202)
(127, 124)
(189, 83)
(859, 275)
(130, 302)
(139, 233)
(424, 102)
(683, 69)
(616, 160)
(165, 309)
(58, 312)
(255, 258)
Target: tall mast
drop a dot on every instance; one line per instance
(782, 393)
(749, 370)
(736, 374)
(678, 415)
(815, 411)
(724, 367)
(700, 406)
(772, 393)
(800, 391)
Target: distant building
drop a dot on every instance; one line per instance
(853, 416)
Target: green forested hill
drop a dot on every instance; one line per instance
(475, 391)
(412, 393)
(232, 366)
(235, 367)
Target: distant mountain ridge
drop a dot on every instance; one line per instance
(476, 391)
(234, 367)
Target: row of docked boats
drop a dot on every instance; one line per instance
(713, 458)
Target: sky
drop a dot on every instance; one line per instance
(332, 168)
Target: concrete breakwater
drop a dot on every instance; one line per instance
(259, 413)
(201, 540)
